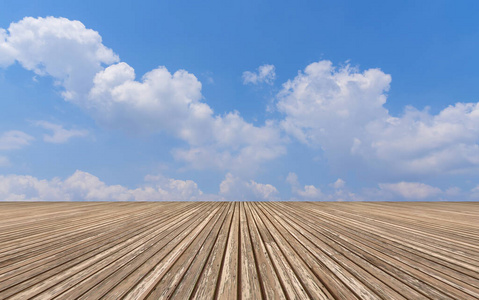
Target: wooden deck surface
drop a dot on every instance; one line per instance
(239, 250)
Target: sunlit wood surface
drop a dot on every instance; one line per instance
(239, 250)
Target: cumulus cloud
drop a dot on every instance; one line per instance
(85, 186)
(59, 134)
(20, 187)
(7, 56)
(171, 102)
(338, 184)
(423, 143)
(58, 47)
(311, 192)
(182, 189)
(264, 74)
(329, 107)
(14, 139)
(308, 192)
(341, 111)
(398, 191)
(235, 188)
(93, 78)
(152, 104)
(234, 145)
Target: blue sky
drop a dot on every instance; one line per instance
(310, 100)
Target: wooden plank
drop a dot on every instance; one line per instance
(70, 276)
(291, 283)
(169, 282)
(269, 280)
(228, 287)
(239, 250)
(205, 288)
(143, 288)
(201, 261)
(249, 284)
(297, 257)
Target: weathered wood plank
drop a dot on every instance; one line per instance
(239, 250)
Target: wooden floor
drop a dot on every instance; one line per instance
(252, 250)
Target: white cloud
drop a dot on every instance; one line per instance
(19, 187)
(85, 186)
(152, 105)
(411, 190)
(14, 139)
(60, 135)
(160, 102)
(311, 192)
(292, 179)
(423, 143)
(233, 144)
(341, 111)
(264, 74)
(338, 184)
(58, 47)
(7, 56)
(234, 188)
(454, 193)
(327, 107)
(308, 192)
(338, 110)
(171, 103)
(181, 189)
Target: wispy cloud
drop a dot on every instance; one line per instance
(14, 139)
(264, 74)
(59, 134)
(411, 190)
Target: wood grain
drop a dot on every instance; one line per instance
(239, 250)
